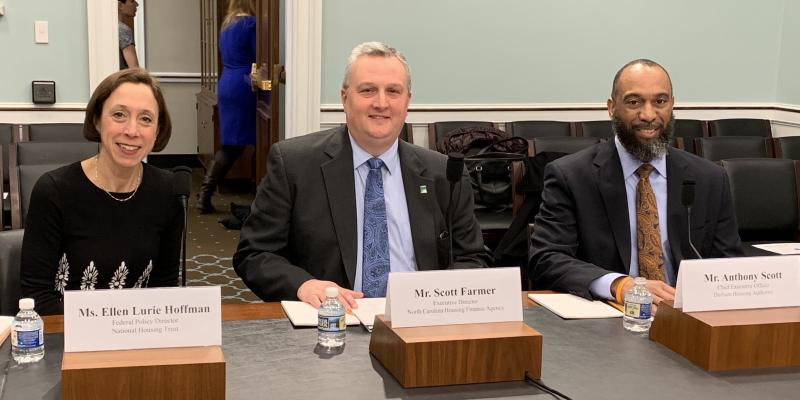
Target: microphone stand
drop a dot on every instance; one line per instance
(184, 203)
(450, 224)
(689, 231)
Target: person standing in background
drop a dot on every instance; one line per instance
(126, 11)
(235, 98)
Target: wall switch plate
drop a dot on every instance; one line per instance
(43, 92)
(41, 33)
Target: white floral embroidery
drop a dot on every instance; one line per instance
(118, 280)
(62, 275)
(145, 278)
(89, 279)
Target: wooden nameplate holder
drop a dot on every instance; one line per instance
(457, 354)
(731, 339)
(172, 373)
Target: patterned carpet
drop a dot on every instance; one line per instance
(210, 246)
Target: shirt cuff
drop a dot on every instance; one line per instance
(601, 287)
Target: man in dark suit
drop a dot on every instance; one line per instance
(614, 210)
(345, 206)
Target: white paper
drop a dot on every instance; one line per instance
(780, 248)
(448, 297)
(368, 309)
(5, 328)
(738, 283)
(303, 314)
(96, 320)
(570, 306)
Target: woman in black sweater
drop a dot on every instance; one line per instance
(110, 221)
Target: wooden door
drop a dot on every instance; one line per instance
(267, 79)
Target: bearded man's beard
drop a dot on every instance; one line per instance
(652, 149)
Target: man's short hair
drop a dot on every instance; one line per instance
(642, 61)
(375, 49)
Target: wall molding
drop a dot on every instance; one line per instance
(177, 77)
(785, 117)
(102, 39)
(303, 66)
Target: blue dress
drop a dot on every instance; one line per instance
(235, 99)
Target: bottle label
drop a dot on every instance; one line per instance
(636, 310)
(27, 339)
(332, 323)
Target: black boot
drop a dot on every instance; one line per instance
(223, 160)
(204, 205)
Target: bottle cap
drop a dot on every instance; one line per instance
(332, 291)
(26, 304)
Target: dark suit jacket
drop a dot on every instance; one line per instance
(582, 231)
(303, 220)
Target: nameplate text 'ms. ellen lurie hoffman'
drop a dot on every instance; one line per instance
(738, 283)
(141, 318)
(464, 296)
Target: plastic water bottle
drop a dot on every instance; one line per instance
(27, 334)
(638, 305)
(332, 324)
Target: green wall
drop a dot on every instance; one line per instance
(789, 71)
(567, 51)
(63, 60)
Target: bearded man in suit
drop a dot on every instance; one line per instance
(614, 211)
(345, 206)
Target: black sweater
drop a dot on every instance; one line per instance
(78, 237)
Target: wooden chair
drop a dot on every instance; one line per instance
(60, 132)
(686, 130)
(10, 249)
(718, 148)
(787, 147)
(23, 178)
(438, 130)
(407, 133)
(534, 129)
(32, 153)
(562, 144)
(598, 129)
(740, 127)
(765, 197)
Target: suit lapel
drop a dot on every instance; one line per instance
(612, 190)
(677, 172)
(421, 200)
(337, 175)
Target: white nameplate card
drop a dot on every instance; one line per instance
(463, 296)
(126, 319)
(738, 283)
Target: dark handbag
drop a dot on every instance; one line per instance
(490, 171)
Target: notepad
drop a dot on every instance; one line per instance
(568, 306)
(303, 314)
(368, 309)
(780, 248)
(5, 328)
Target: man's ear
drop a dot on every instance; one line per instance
(343, 97)
(610, 104)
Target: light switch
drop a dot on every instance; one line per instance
(41, 31)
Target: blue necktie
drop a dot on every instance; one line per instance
(375, 262)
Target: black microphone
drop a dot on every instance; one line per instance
(687, 199)
(181, 187)
(455, 168)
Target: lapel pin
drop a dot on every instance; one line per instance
(423, 189)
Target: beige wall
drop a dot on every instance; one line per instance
(173, 54)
